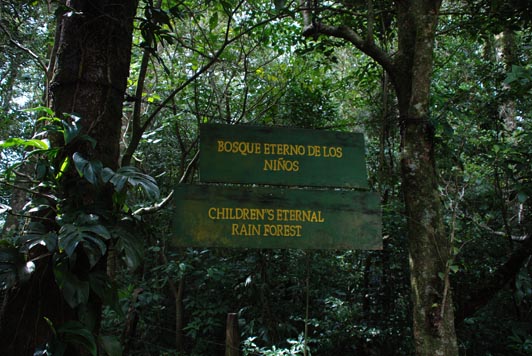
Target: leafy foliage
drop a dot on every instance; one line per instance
(76, 239)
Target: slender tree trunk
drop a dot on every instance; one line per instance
(410, 70)
(429, 249)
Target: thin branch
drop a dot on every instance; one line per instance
(156, 207)
(33, 217)
(135, 140)
(27, 176)
(24, 49)
(189, 168)
(371, 21)
(11, 185)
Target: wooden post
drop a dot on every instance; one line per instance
(232, 336)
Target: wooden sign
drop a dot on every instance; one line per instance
(228, 216)
(281, 156)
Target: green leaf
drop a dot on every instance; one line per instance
(75, 333)
(30, 240)
(118, 181)
(111, 345)
(90, 170)
(19, 142)
(106, 290)
(75, 291)
(213, 21)
(64, 166)
(87, 230)
(44, 109)
(131, 248)
(133, 178)
(71, 131)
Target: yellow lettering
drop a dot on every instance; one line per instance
(282, 230)
(313, 151)
(339, 152)
(280, 164)
(246, 229)
(239, 147)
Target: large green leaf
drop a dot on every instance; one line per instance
(90, 170)
(130, 247)
(106, 290)
(132, 177)
(111, 345)
(31, 240)
(75, 291)
(37, 234)
(75, 333)
(87, 230)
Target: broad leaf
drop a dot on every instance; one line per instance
(37, 234)
(106, 290)
(111, 345)
(130, 247)
(133, 178)
(75, 291)
(88, 231)
(90, 170)
(75, 333)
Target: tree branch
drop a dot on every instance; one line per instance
(497, 281)
(346, 33)
(135, 139)
(24, 49)
(158, 206)
(155, 207)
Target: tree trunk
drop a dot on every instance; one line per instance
(429, 248)
(410, 71)
(92, 68)
(90, 76)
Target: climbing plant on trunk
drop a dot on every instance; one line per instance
(81, 187)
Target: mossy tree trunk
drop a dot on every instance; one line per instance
(410, 71)
(429, 246)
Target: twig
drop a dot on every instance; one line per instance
(154, 208)
(24, 49)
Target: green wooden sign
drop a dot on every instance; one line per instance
(229, 216)
(281, 156)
